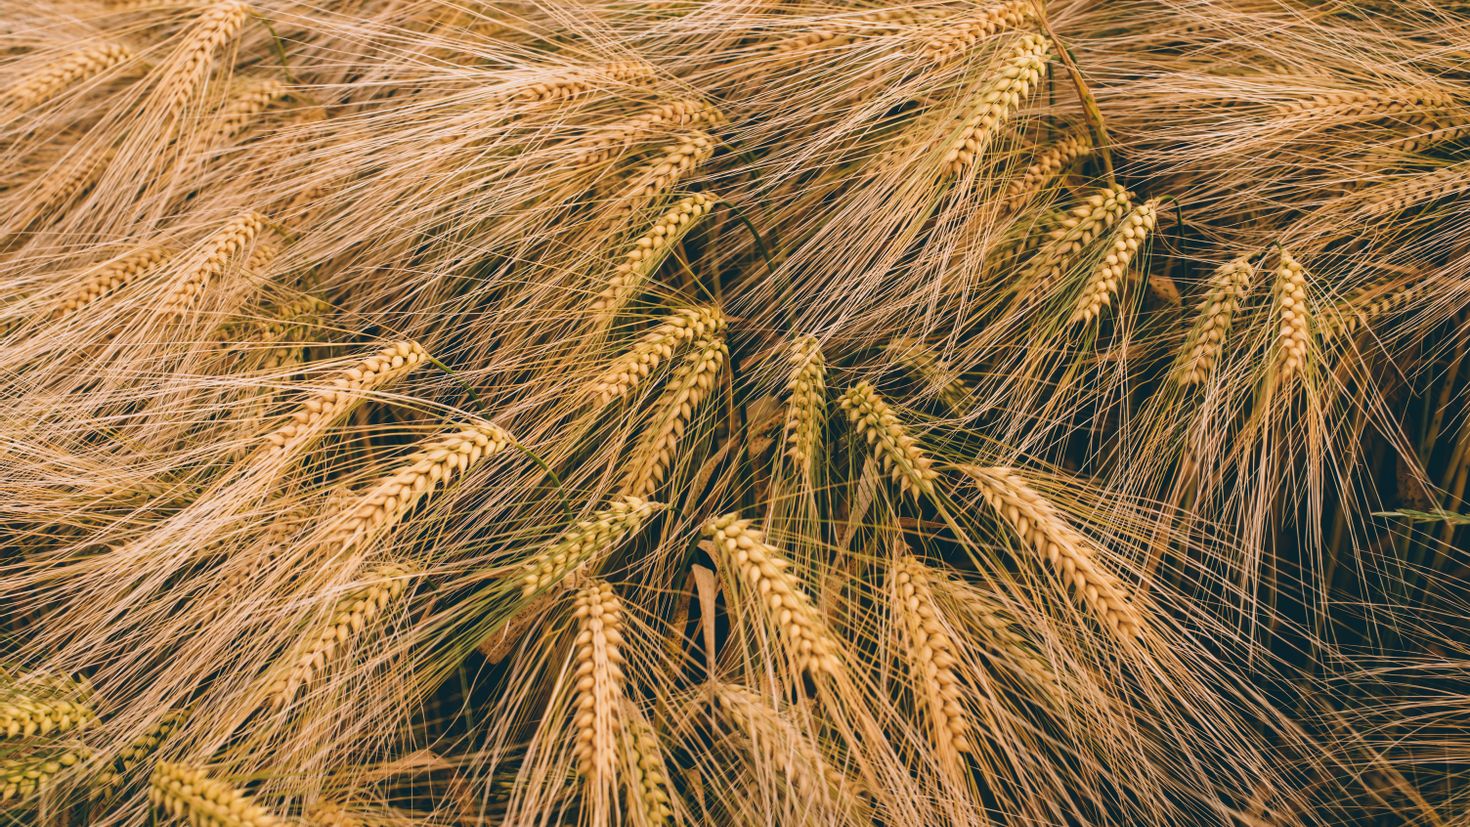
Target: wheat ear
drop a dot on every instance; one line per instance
(188, 794)
(892, 445)
(931, 656)
(219, 251)
(1042, 171)
(434, 464)
(63, 73)
(599, 691)
(25, 776)
(761, 571)
(1104, 282)
(938, 376)
(996, 100)
(110, 278)
(112, 777)
(953, 37)
(1213, 320)
(587, 539)
(628, 371)
(806, 404)
(352, 614)
(1293, 318)
(648, 252)
(1072, 556)
(690, 385)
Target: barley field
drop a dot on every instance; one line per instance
(1030, 413)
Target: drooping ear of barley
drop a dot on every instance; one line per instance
(937, 376)
(1104, 282)
(1045, 169)
(580, 81)
(1365, 306)
(437, 461)
(111, 778)
(110, 278)
(930, 653)
(893, 446)
(1077, 230)
(1293, 318)
(651, 183)
(326, 407)
(186, 69)
(628, 371)
(63, 182)
(62, 73)
(996, 100)
(222, 249)
(648, 252)
(954, 36)
(615, 139)
(1212, 321)
(586, 540)
(353, 613)
(760, 569)
(1072, 557)
(599, 696)
(649, 789)
(1410, 105)
(247, 98)
(806, 404)
(24, 776)
(690, 385)
(780, 744)
(1383, 201)
(189, 794)
(28, 714)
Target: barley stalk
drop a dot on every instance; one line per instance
(931, 657)
(1104, 282)
(648, 252)
(189, 794)
(761, 571)
(1212, 321)
(1071, 556)
(64, 72)
(587, 539)
(997, 99)
(628, 371)
(892, 445)
(1293, 318)
(957, 35)
(806, 404)
(692, 382)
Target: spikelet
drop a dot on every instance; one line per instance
(1047, 166)
(648, 252)
(110, 278)
(1103, 285)
(955, 36)
(187, 68)
(1078, 229)
(894, 448)
(599, 694)
(628, 371)
(112, 777)
(219, 251)
(806, 404)
(315, 650)
(26, 714)
(437, 462)
(1071, 556)
(1293, 318)
(651, 182)
(25, 776)
(586, 540)
(780, 744)
(691, 383)
(63, 73)
(761, 571)
(996, 100)
(580, 81)
(188, 794)
(937, 376)
(649, 788)
(342, 394)
(247, 98)
(1212, 321)
(1410, 105)
(931, 655)
(610, 142)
